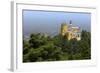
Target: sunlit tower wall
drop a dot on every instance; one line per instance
(64, 29)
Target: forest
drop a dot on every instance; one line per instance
(40, 48)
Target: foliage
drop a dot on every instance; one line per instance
(46, 48)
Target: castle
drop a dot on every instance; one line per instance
(70, 32)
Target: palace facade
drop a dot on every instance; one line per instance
(70, 32)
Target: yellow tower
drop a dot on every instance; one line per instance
(64, 29)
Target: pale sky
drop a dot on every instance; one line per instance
(50, 22)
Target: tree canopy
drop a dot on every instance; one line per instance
(46, 48)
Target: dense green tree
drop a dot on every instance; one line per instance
(40, 47)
